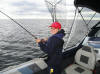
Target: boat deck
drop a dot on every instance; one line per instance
(66, 62)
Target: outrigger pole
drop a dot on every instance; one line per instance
(53, 8)
(19, 25)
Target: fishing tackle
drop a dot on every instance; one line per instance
(19, 25)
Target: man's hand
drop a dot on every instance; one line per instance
(45, 39)
(41, 40)
(38, 40)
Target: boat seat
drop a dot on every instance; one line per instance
(85, 61)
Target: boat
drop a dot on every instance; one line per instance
(90, 38)
(30, 67)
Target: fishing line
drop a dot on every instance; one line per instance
(19, 25)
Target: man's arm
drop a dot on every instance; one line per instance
(50, 46)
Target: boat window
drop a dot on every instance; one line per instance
(97, 34)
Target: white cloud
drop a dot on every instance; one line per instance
(35, 9)
(27, 8)
(23, 8)
(70, 2)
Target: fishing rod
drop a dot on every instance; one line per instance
(19, 25)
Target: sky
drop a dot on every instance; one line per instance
(25, 9)
(30, 8)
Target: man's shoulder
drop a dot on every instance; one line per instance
(54, 38)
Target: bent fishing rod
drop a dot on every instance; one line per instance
(19, 25)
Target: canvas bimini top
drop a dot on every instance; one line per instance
(92, 4)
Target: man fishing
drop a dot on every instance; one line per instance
(53, 47)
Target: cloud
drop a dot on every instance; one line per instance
(23, 7)
(31, 8)
(36, 8)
